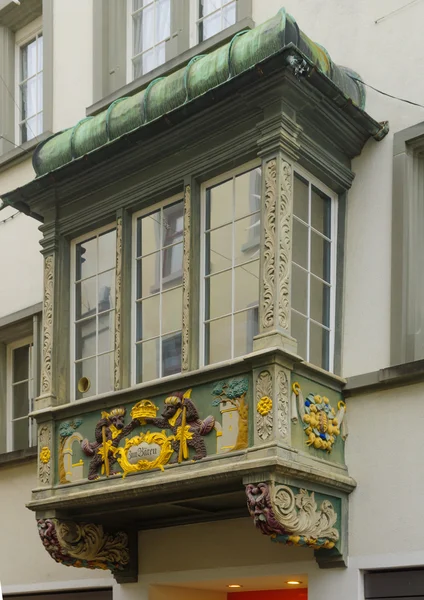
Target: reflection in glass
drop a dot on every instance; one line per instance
(246, 283)
(107, 251)
(106, 329)
(218, 340)
(86, 368)
(20, 434)
(171, 354)
(218, 294)
(245, 328)
(85, 338)
(20, 400)
(299, 327)
(105, 367)
(147, 360)
(319, 346)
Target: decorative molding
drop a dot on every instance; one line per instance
(46, 371)
(264, 414)
(185, 350)
(269, 244)
(285, 245)
(283, 404)
(292, 518)
(84, 545)
(118, 297)
(45, 435)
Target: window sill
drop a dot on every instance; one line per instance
(20, 153)
(16, 457)
(171, 65)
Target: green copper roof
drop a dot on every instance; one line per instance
(202, 74)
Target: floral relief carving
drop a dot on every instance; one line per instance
(269, 244)
(283, 404)
(44, 454)
(46, 373)
(186, 281)
(264, 415)
(118, 295)
(285, 246)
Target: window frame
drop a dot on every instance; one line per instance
(221, 178)
(314, 181)
(72, 321)
(243, 10)
(135, 216)
(22, 37)
(11, 347)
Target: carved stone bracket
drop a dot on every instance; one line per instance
(293, 517)
(86, 545)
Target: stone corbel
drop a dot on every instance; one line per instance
(293, 517)
(88, 545)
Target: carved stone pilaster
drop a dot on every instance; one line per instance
(185, 350)
(292, 516)
(118, 301)
(272, 410)
(48, 302)
(45, 454)
(264, 405)
(85, 545)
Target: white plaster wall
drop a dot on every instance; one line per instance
(386, 56)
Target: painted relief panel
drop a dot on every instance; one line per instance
(319, 424)
(152, 433)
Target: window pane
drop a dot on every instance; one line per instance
(218, 340)
(173, 223)
(107, 251)
(319, 346)
(148, 234)
(228, 15)
(219, 249)
(219, 205)
(299, 289)
(246, 245)
(85, 298)
(173, 264)
(20, 400)
(320, 256)
(29, 60)
(105, 365)
(86, 368)
(298, 330)
(148, 61)
(248, 193)
(320, 301)
(106, 332)
(218, 295)
(171, 355)
(160, 54)
(85, 338)
(86, 259)
(40, 53)
(211, 26)
(39, 95)
(321, 212)
(29, 98)
(301, 198)
(149, 317)
(245, 328)
(163, 20)
(20, 434)
(172, 310)
(300, 244)
(148, 275)
(246, 282)
(208, 6)
(106, 285)
(20, 364)
(147, 357)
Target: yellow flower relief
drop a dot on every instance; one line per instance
(45, 455)
(264, 406)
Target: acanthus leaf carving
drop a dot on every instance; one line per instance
(44, 453)
(46, 372)
(269, 244)
(283, 404)
(186, 281)
(84, 545)
(292, 518)
(118, 296)
(285, 216)
(264, 413)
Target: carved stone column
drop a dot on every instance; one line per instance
(277, 148)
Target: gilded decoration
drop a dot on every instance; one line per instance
(264, 415)
(269, 244)
(285, 245)
(292, 518)
(185, 348)
(118, 295)
(232, 432)
(146, 451)
(84, 545)
(68, 470)
(46, 372)
(44, 454)
(320, 421)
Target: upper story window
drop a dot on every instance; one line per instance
(93, 312)
(21, 432)
(215, 16)
(313, 271)
(150, 28)
(158, 290)
(30, 86)
(230, 245)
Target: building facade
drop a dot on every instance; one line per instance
(210, 309)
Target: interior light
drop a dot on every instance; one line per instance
(234, 585)
(293, 582)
